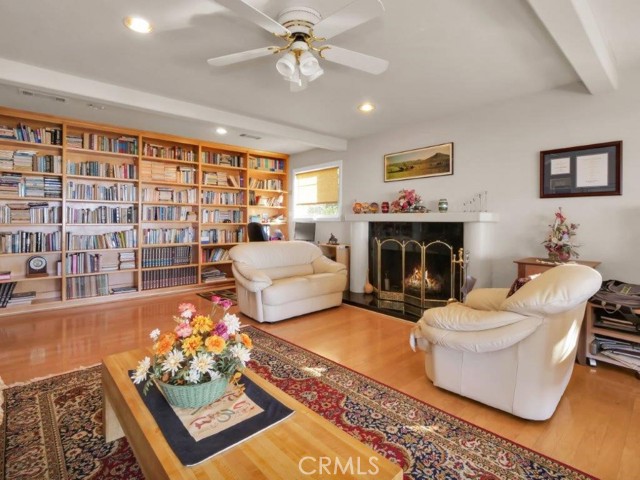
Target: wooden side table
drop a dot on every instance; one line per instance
(338, 253)
(532, 265)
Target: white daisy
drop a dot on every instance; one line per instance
(241, 353)
(141, 371)
(202, 363)
(172, 362)
(193, 376)
(232, 322)
(155, 334)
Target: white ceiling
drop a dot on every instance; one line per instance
(446, 56)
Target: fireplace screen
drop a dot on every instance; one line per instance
(417, 274)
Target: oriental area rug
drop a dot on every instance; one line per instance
(52, 428)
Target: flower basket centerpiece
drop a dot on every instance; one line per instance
(559, 242)
(407, 201)
(193, 363)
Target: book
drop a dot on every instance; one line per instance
(6, 289)
(5, 275)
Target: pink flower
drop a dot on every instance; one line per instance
(215, 299)
(226, 304)
(221, 330)
(183, 330)
(187, 310)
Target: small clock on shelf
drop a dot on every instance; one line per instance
(36, 266)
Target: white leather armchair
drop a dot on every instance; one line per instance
(278, 280)
(516, 353)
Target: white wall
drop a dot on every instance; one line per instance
(496, 148)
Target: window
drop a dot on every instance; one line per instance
(317, 191)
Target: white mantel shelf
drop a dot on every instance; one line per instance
(452, 217)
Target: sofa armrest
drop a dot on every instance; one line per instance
(459, 317)
(486, 298)
(323, 264)
(477, 342)
(249, 277)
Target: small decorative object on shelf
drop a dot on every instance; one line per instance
(385, 207)
(332, 240)
(194, 363)
(559, 242)
(357, 207)
(36, 266)
(374, 207)
(443, 205)
(407, 201)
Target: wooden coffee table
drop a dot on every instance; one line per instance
(304, 445)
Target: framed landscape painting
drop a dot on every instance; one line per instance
(432, 161)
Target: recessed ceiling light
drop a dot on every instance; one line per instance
(366, 107)
(137, 24)
(221, 131)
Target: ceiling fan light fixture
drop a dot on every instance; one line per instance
(308, 64)
(317, 74)
(137, 24)
(287, 65)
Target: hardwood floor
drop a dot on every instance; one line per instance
(595, 429)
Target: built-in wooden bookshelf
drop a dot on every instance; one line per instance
(122, 212)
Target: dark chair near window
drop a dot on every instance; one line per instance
(256, 232)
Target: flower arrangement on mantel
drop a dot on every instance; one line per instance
(407, 201)
(197, 350)
(559, 241)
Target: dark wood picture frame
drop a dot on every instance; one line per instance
(432, 161)
(587, 170)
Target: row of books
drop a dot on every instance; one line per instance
(17, 185)
(169, 277)
(213, 275)
(84, 287)
(156, 236)
(6, 289)
(265, 201)
(82, 262)
(119, 192)
(102, 143)
(215, 255)
(267, 164)
(266, 184)
(94, 168)
(127, 260)
(169, 213)
(223, 198)
(30, 242)
(32, 212)
(21, 298)
(121, 239)
(30, 161)
(220, 216)
(102, 214)
(225, 159)
(171, 152)
(25, 133)
(221, 235)
(168, 194)
(166, 256)
(222, 179)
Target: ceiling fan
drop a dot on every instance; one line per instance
(304, 30)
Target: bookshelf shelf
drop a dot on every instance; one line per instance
(153, 176)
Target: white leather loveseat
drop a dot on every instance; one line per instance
(513, 353)
(279, 280)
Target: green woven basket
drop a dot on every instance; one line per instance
(193, 396)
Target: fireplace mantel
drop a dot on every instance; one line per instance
(453, 217)
(477, 240)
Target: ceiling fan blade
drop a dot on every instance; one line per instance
(254, 15)
(354, 14)
(356, 60)
(240, 56)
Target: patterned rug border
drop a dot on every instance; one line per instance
(571, 467)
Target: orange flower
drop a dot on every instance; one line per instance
(191, 344)
(246, 340)
(201, 324)
(164, 344)
(215, 344)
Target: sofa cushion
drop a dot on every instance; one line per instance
(291, 289)
(276, 273)
(268, 255)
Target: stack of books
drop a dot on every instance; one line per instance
(127, 261)
(22, 298)
(213, 275)
(6, 289)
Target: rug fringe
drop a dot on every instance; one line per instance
(2, 387)
(44, 377)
